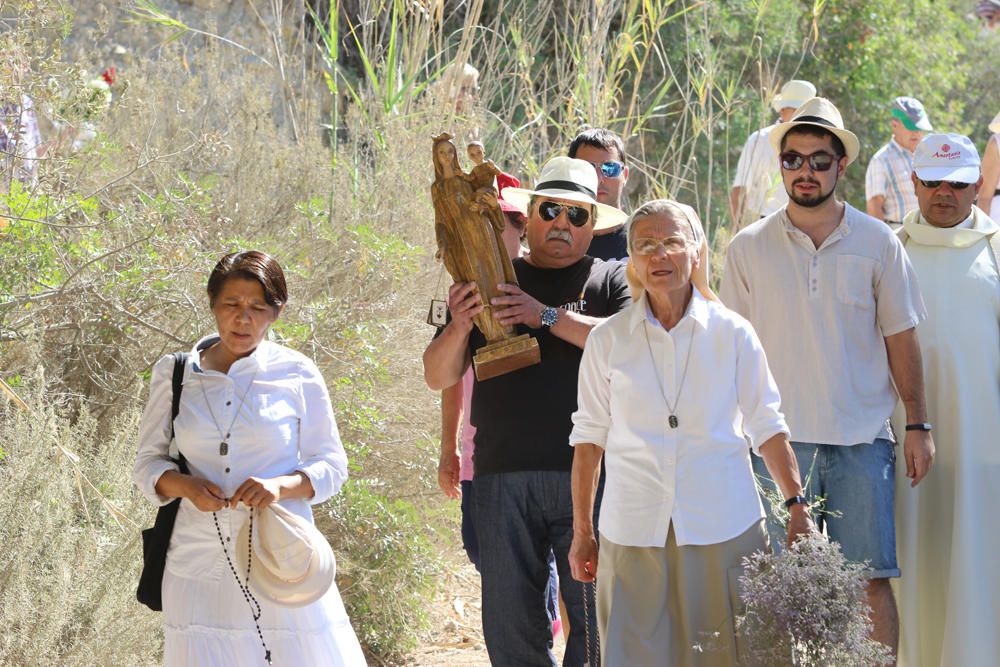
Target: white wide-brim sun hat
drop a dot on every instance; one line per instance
(820, 112)
(793, 95)
(571, 180)
(293, 564)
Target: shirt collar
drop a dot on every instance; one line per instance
(842, 230)
(900, 148)
(257, 359)
(697, 311)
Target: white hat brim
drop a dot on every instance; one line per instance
(995, 124)
(966, 174)
(607, 216)
(851, 144)
(306, 589)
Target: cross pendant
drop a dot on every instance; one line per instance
(672, 421)
(223, 448)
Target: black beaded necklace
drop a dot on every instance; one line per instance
(245, 588)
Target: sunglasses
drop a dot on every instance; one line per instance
(609, 169)
(818, 161)
(577, 215)
(954, 185)
(648, 246)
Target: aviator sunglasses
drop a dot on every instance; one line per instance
(818, 161)
(577, 215)
(610, 169)
(954, 185)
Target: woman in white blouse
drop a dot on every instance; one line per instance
(255, 427)
(668, 388)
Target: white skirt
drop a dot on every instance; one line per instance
(207, 622)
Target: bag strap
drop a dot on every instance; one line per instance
(177, 386)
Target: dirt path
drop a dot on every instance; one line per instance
(455, 638)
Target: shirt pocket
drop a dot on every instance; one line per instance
(277, 417)
(856, 281)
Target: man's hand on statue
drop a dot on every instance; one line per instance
(517, 308)
(464, 303)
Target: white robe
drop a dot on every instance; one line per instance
(948, 541)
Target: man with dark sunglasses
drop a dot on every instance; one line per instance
(523, 507)
(888, 190)
(605, 150)
(834, 300)
(942, 525)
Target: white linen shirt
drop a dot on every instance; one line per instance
(285, 425)
(888, 176)
(697, 475)
(823, 316)
(759, 173)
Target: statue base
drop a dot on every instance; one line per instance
(506, 356)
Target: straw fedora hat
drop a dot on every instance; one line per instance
(570, 179)
(293, 564)
(995, 124)
(793, 95)
(819, 112)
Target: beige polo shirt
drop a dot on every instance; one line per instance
(822, 316)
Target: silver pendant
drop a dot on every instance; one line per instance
(224, 447)
(672, 421)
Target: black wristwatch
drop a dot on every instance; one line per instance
(922, 426)
(795, 500)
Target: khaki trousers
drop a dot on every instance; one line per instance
(672, 606)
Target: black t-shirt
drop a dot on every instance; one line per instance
(609, 246)
(523, 419)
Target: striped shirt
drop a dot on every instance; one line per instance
(888, 176)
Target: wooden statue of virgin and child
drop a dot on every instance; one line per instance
(468, 223)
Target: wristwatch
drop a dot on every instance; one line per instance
(549, 316)
(922, 426)
(795, 500)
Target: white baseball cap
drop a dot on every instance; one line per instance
(793, 94)
(947, 157)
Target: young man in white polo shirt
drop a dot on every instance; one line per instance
(832, 296)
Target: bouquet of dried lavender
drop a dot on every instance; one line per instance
(807, 608)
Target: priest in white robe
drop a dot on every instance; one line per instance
(948, 539)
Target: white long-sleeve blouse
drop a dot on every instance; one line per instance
(697, 475)
(284, 424)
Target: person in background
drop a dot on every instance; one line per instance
(757, 189)
(455, 464)
(606, 152)
(888, 188)
(949, 593)
(989, 194)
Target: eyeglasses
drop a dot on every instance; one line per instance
(609, 169)
(818, 161)
(550, 210)
(648, 246)
(954, 185)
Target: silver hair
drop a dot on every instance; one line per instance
(674, 209)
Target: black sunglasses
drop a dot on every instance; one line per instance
(818, 161)
(550, 210)
(954, 185)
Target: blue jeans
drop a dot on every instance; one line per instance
(520, 518)
(857, 485)
(471, 545)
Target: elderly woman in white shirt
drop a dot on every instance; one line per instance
(255, 427)
(670, 390)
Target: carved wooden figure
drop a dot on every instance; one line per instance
(468, 224)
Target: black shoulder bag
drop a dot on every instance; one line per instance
(156, 540)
